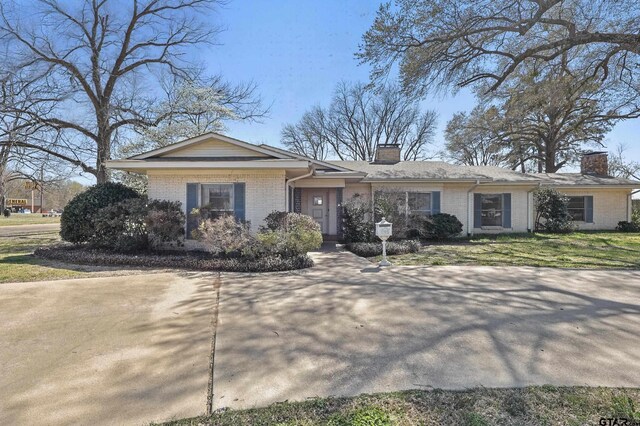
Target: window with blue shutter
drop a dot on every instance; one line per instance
(435, 202)
(588, 209)
(239, 200)
(506, 210)
(192, 203)
(477, 210)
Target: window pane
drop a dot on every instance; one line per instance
(218, 196)
(576, 208)
(576, 202)
(492, 201)
(419, 202)
(317, 200)
(491, 210)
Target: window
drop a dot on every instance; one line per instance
(406, 203)
(577, 208)
(317, 200)
(492, 209)
(218, 198)
(419, 203)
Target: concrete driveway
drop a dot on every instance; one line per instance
(345, 327)
(116, 350)
(136, 349)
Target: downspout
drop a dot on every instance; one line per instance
(287, 185)
(469, 210)
(529, 208)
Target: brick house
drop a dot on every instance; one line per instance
(250, 181)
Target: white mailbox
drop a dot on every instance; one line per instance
(384, 229)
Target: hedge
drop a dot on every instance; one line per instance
(375, 249)
(176, 259)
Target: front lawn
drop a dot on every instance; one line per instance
(27, 219)
(17, 263)
(576, 250)
(541, 405)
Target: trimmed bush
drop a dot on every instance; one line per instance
(226, 236)
(274, 221)
(624, 226)
(289, 234)
(357, 224)
(375, 249)
(200, 261)
(440, 226)
(121, 226)
(76, 223)
(165, 223)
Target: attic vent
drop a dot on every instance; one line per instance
(387, 153)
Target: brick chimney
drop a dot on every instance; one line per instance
(595, 163)
(387, 153)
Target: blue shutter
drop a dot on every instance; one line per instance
(477, 210)
(588, 209)
(435, 202)
(506, 210)
(239, 201)
(192, 203)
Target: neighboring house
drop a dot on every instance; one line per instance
(251, 181)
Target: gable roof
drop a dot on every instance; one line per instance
(164, 151)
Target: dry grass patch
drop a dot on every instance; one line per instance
(542, 405)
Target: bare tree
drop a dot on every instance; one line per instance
(621, 166)
(359, 119)
(457, 43)
(102, 60)
(477, 138)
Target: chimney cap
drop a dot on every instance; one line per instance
(596, 153)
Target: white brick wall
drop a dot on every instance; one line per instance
(264, 189)
(609, 207)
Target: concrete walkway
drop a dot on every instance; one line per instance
(347, 327)
(117, 350)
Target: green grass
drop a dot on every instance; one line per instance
(17, 264)
(577, 250)
(27, 219)
(539, 405)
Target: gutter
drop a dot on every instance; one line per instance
(469, 218)
(287, 185)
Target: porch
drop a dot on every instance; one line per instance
(323, 204)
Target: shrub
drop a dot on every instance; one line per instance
(274, 221)
(440, 226)
(76, 223)
(165, 223)
(289, 234)
(552, 211)
(390, 204)
(624, 226)
(200, 261)
(635, 216)
(120, 226)
(226, 236)
(375, 249)
(357, 223)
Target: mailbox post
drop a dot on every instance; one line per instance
(383, 231)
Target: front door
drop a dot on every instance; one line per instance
(319, 209)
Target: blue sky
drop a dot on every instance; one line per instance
(297, 51)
